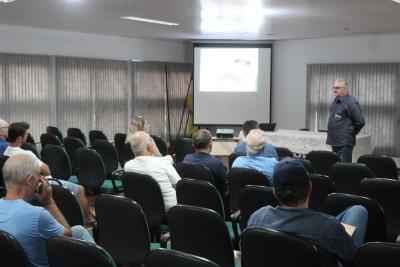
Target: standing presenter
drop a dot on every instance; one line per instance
(345, 122)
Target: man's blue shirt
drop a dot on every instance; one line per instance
(3, 146)
(269, 150)
(215, 165)
(259, 163)
(32, 226)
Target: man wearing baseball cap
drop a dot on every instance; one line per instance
(292, 188)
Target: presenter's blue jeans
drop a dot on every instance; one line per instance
(356, 216)
(345, 153)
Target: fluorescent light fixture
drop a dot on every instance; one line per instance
(7, 1)
(150, 21)
(397, 1)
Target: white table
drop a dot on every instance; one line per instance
(301, 142)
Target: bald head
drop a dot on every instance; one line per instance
(3, 129)
(139, 142)
(256, 140)
(17, 169)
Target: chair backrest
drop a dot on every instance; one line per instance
(376, 228)
(232, 158)
(77, 133)
(380, 165)
(194, 171)
(307, 164)
(96, 134)
(386, 192)
(55, 131)
(2, 162)
(265, 247)
(161, 145)
(11, 252)
(119, 142)
(68, 205)
(347, 176)
(284, 152)
(30, 147)
(323, 161)
(122, 229)
(128, 153)
(377, 254)
(31, 140)
(240, 177)
(201, 232)
(71, 252)
(322, 186)
(58, 161)
(108, 153)
(90, 167)
(47, 139)
(183, 147)
(200, 194)
(72, 144)
(146, 191)
(173, 258)
(252, 198)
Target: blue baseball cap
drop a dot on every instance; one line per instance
(289, 173)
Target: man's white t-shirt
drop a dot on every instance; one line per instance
(14, 151)
(162, 170)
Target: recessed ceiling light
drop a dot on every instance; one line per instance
(7, 1)
(150, 20)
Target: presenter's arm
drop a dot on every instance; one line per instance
(356, 117)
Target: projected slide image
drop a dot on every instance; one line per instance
(229, 70)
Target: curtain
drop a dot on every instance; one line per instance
(26, 91)
(92, 93)
(375, 86)
(178, 76)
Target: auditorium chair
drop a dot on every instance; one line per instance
(381, 166)
(387, 193)
(122, 229)
(55, 131)
(173, 258)
(376, 228)
(201, 232)
(146, 191)
(96, 134)
(194, 171)
(70, 252)
(58, 161)
(347, 176)
(322, 161)
(11, 252)
(265, 247)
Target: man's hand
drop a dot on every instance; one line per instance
(46, 197)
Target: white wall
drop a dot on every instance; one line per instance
(289, 67)
(26, 40)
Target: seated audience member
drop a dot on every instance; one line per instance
(17, 134)
(160, 168)
(255, 159)
(292, 188)
(138, 123)
(202, 142)
(3, 136)
(32, 226)
(269, 149)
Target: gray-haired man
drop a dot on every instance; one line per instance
(32, 226)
